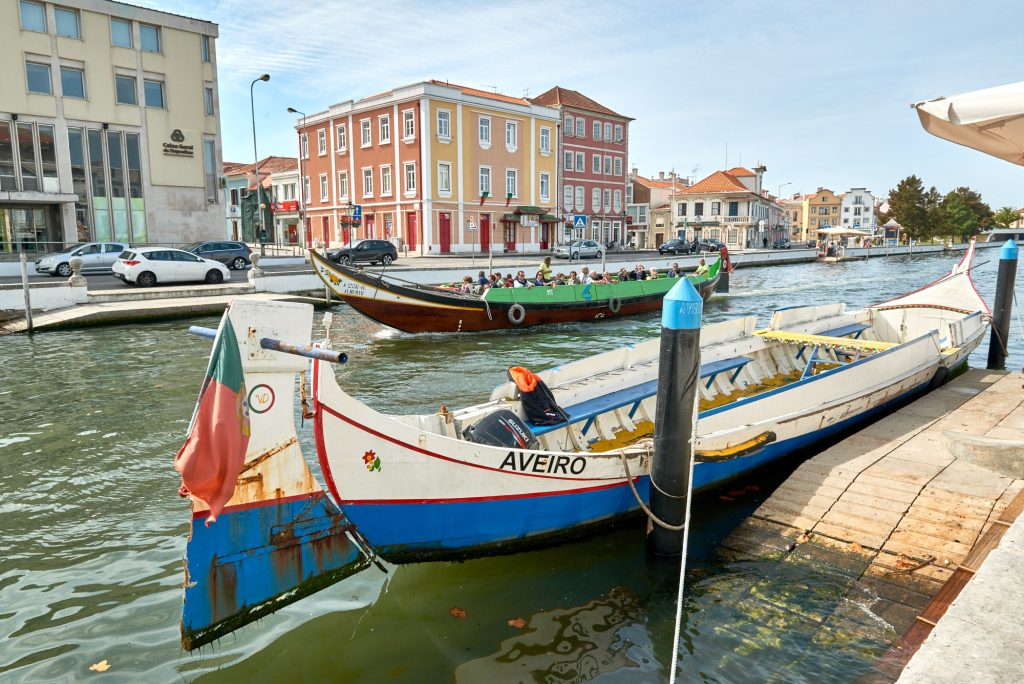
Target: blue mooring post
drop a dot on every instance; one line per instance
(1003, 306)
(675, 417)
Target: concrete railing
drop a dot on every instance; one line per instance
(44, 296)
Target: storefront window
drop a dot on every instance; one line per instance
(210, 166)
(118, 194)
(27, 154)
(48, 159)
(8, 180)
(97, 177)
(76, 145)
(135, 201)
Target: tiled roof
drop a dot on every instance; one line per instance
(563, 97)
(719, 181)
(466, 90)
(740, 171)
(234, 167)
(267, 165)
(666, 184)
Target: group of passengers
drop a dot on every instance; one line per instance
(545, 278)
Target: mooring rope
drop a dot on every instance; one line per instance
(650, 514)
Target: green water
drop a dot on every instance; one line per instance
(94, 533)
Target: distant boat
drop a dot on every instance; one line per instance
(416, 308)
(834, 252)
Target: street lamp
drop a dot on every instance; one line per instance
(782, 185)
(256, 159)
(302, 185)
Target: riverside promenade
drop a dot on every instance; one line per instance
(894, 521)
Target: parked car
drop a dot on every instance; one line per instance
(675, 246)
(812, 243)
(708, 245)
(235, 254)
(781, 243)
(371, 251)
(147, 266)
(95, 256)
(579, 249)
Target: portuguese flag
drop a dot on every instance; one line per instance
(214, 452)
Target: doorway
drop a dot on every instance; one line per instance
(444, 232)
(485, 233)
(510, 236)
(410, 230)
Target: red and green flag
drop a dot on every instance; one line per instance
(214, 452)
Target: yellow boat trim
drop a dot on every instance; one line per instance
(824, 341)
(736, 449)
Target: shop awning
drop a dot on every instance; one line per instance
(510, 217)
(548, 218)
(529, 210)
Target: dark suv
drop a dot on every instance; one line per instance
(367, 251)
(676, 246)
(708, 245)
(234, 254)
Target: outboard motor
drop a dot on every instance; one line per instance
(501, 429)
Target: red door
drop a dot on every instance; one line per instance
(444, 232)
(510, 236)
(410, 229)
(325, 229)
(369, 227)
(544, 228)
(485, 232)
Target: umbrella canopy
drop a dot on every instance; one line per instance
(843, 231)
(989, 120)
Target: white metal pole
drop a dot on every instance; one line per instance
(28, 297)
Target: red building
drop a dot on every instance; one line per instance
(593, 150)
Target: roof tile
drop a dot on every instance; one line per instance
(563, 97)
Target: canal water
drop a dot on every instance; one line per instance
(94, 532)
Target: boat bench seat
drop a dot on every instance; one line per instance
(588, 410)
(854, 329)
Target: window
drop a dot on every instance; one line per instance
(154, 93)
(72, 82)
(607, 199)
(209, 168)
(364, 131)
(511, 135)
(608, 132)
(618, 132)
(323, 187)
(305, 190)
(595, 200)
(321, 141)
(33, 16)
(814, 210)
(385, 180)
(444, 178)
(580, 161)
(545, 140)
(149, 37)
(367, 182)
(580, 198)
(304, 145)
(597, 130)
(595, 166)
(67, 22)
(567, 195)
(124, 87)
(408, 124)
(208, 99)
(629, 193)
(617, 201)
(384, 129)
(734, 208)
(545, 187)
(618, 166)
(835, 210)
(568, 126)
(120, 32)
(581, 126)
(410, 178)
(204, 48)
(716, 208)
(568, 161)
(485, 131)
(38, 78)
(698, 208)
(485, 180)
(511, 186)
(342, 135)
(607, 165)
(444, 124)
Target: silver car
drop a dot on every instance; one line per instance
(579, 249)
(95, 256)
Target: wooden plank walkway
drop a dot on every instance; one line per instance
(890, 509)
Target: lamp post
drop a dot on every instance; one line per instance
(782, 185)
(256, 159)
(302, 186)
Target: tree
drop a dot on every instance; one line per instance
(964, 214)
(1005, 216)
(907, 206)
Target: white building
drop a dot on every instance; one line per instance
(109, 125)
(287, 206)
(730, 206)
(643, 196)
(858, 210)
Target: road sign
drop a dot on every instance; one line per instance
(579, 220)
(357, 212)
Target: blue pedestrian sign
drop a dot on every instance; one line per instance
(357, 212)
(579, 220)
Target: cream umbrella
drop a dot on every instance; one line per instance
(989, 120)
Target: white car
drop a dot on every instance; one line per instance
(579, 249)
(148, 266)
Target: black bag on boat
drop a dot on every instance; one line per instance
(539, 403)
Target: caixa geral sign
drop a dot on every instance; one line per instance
(177, 147)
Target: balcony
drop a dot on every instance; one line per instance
(717, 220)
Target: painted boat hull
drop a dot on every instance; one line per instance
(427, 310)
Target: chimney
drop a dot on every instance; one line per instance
(661, 175)
(758, 172)
(634, 173)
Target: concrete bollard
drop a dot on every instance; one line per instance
(77, 279)
(676, 416)
(255, 272)
(1003, 306)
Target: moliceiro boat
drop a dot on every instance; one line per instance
(416, 308)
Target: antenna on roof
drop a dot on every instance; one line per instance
(526, 93)
(492, 87)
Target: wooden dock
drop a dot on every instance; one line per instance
(888, 516)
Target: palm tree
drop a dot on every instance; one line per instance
(1005, 216)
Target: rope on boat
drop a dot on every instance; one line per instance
(650, 514)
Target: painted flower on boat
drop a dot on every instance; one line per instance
(371, 461)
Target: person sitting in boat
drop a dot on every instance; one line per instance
(509, 281)
(521, 281)
(638, 273)
(494, 280)
(540, 280)
(652, 274)
(482, 280)
(559, 279)
(573, 279)
(467, 285)
(545, 268)
(675, 271)
(596, 278)
(702, 269)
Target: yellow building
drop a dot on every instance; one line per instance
(112, 129)
(809, 213)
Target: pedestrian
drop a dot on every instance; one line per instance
(764, 241)
(545, 267)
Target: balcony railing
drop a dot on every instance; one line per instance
(711, 219)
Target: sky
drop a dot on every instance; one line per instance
(818, 92)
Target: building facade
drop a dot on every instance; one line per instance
(857, 210)
(275, 173)
(730, 206)
(287, 209)
(109, 127)
(593, 152)
(441, 167)
(642, 196)
(812, 212)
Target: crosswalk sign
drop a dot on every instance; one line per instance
(579, 220)
(357, 212)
